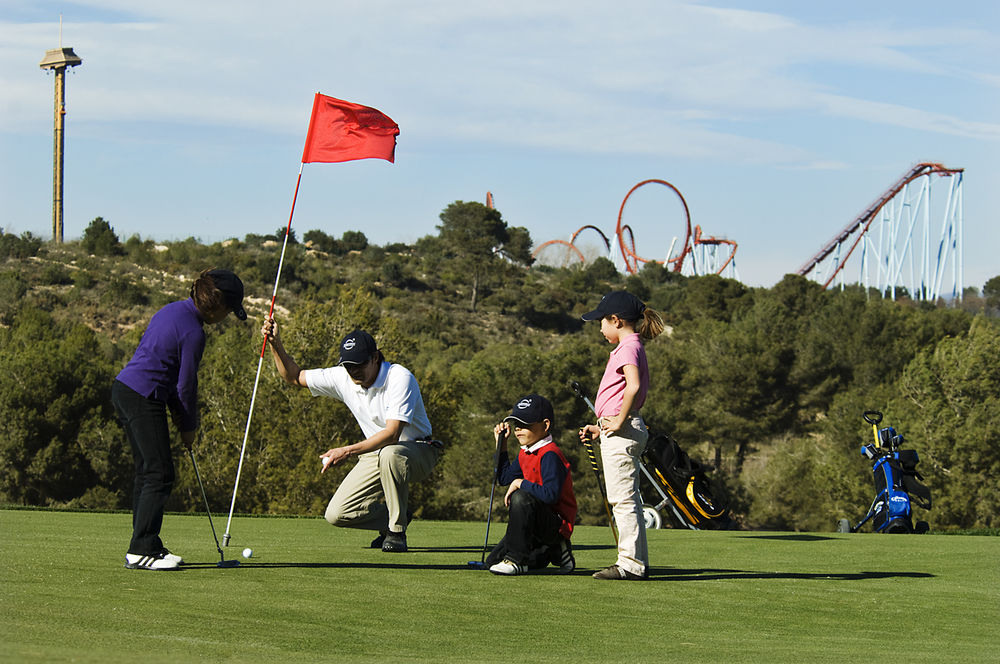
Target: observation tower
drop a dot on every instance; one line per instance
(59, 60)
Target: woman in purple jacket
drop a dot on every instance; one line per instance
(162, 375)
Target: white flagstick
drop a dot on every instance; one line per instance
(260, 362)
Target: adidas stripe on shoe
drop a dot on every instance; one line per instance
(508, 567)
(157, 562)
(565, 561)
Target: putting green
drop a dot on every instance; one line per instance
(315, 593)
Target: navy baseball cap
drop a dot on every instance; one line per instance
(532, 409)
(232, 290)
(618, 303)
(357, 348)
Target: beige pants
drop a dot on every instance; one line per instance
(375, 493)
(620, 455)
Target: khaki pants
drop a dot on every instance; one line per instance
(374, 495)
(620, 455)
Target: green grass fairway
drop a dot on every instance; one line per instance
(315, 593)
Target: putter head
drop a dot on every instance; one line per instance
(476, 564)
(576, 388)
(228, 563)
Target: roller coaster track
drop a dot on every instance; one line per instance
(702, 250)
(632, 259)
(571, 245)
(887, 232)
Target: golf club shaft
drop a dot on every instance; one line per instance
(208, 511)
(489, 518)
(501, 440)
(600, 485)
(593, 462)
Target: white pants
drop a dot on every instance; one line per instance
(620, 454)
(375, 494)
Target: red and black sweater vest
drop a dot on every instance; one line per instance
(565, 506)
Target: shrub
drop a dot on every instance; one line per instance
(99, 239)
(12, 246)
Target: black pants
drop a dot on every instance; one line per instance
(532, 537)
(145, 424)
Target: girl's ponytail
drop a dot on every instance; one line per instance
(651, 324)
(206, 295)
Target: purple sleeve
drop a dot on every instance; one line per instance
(190, 349)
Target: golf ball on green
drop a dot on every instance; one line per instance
(247, 552)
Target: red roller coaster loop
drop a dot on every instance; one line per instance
(631, 259)
(568, 245)
(571, 245)
(626, 242)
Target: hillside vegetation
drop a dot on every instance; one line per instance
(766, 385)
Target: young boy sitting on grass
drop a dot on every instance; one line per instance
(540, 497)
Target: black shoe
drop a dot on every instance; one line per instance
(564, 557)
(394, 542)
(378, 541)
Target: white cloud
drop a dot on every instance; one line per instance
(483, 68)
(907, 117)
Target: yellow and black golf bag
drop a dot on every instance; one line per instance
(684, 490)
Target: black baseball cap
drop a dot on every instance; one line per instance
(531, 409)
(232, 290)
(357, 348)
(618, 303)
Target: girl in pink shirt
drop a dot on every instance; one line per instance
(625, 321)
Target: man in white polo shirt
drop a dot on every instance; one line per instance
(397, 450)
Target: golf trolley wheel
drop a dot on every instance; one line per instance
(652, 518)
(898, 526)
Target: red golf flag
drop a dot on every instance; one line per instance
(341, 131)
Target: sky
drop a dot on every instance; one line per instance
(778, 121)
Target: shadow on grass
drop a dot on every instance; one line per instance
(655, 574)
(791, 538)
(345, 565)
(478, 549)
(735, 574)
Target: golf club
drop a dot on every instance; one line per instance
(481, 563)
(222, 558)
(593, 461)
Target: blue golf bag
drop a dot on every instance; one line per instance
(897, 483)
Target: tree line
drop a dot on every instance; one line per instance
(766, 385)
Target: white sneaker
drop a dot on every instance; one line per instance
(172, 556)
(508, 568)
(157, 562)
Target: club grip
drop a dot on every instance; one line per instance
(591, 455)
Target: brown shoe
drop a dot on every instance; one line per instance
(616, 573)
